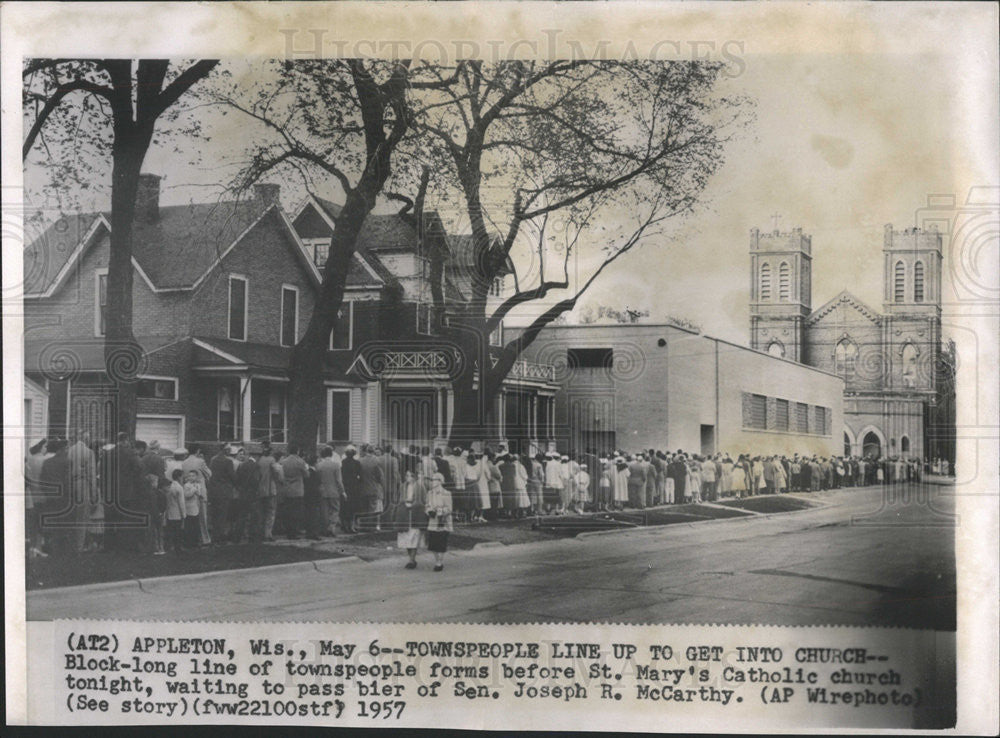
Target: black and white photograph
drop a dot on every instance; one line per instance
(691, 333)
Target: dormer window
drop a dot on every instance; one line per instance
(318, 249)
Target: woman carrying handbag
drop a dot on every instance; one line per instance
(410, 518)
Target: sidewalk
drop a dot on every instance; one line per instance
(810, 568)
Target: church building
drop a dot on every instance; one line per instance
(888, 359)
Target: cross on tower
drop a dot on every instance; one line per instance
(775, 217)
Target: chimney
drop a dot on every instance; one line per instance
(266, 195)
(147, 198)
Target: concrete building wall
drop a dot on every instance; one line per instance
(669, 388)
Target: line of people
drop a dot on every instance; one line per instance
(134, 497)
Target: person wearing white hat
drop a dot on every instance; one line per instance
(553, 489)
(582, 481)
(621, 475)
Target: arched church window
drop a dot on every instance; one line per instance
(918, 282)
(846, 357)
(909, 355)
(776, 348)
(899, 283)
(784, 283)
(765, 281)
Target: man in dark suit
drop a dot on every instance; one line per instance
(221, 492)
(57, 503)
(350, 470)
(677, 470)
(372, 480)
(121, 485)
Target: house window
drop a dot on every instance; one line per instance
(156, 388)
(319, 250)
(846, 357)
(801, 417)
(342, 335)
(424, 318)
(784, 283)
(765, 281)
(758, 412)
(918, 282)
(496, 336)
(237, 307)
(101, 298)
(340, 415)
(226, 413)
(590, 358)
(781, 415)
(276, 416)
(289, 315)
(899, 284)
(496, 288)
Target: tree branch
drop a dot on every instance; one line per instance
(53, 102)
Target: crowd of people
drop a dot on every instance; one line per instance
(86, 496)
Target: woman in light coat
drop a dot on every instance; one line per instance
(439, 525)
(622, 474)
(477, 487)
(413, 499)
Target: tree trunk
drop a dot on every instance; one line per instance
(122, 354)
(307, 401)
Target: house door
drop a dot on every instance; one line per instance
(409, 418)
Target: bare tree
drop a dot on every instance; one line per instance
(339, 121)
(524, 143)
(116, 104)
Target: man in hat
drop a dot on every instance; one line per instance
(636, 481)
(221, 492)
(350, 470)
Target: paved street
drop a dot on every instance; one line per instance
(863, 558)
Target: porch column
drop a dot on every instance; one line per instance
(449, 411)
(502, 415)
(246, 413)
(532, 417)
(440, 420)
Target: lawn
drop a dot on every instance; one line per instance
(88, 568)
(770, 504)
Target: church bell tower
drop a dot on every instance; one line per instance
(780, 291)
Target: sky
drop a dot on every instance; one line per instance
(839, 145)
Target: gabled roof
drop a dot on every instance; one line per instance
(175, 252)
(844, 298)
(366, 269)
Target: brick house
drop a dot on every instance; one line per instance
(222, 291)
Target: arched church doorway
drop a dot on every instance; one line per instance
(847, 444)
(871, 446)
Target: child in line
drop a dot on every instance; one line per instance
(193, 493)
(175, 511)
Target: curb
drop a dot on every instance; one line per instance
(151, 582)
(488, 544)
